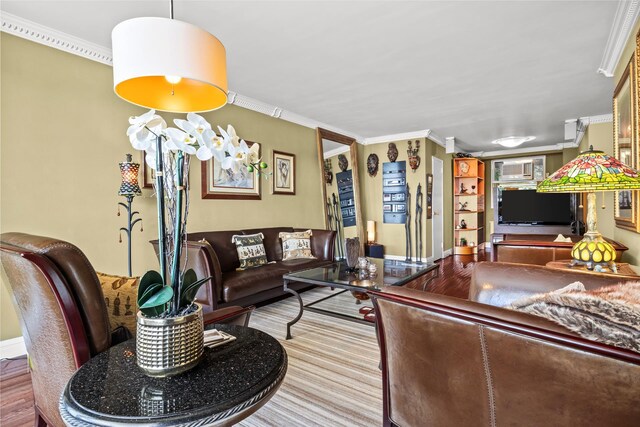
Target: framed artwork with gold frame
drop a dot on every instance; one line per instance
(626, 143)
(148, 174)
(219, 183)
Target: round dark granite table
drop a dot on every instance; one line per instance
(230, 383)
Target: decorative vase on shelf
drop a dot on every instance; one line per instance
(170, 328)
(352, 249)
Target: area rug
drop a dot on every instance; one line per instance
(333, 377)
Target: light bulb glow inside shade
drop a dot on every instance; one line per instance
(174, 80)
(513, 141)
(149, 52)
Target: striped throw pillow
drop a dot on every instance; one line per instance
(296, 245)
(250, 250)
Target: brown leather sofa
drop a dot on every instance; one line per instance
(62, 313)
(453, 362)
(212, 253)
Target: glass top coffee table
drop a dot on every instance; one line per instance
(352, 302)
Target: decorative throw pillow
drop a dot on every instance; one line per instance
(120, 297)
(296, 245)
(610, 314)
(250, 250)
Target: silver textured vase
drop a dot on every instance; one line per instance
(169, 346)
(352, 250)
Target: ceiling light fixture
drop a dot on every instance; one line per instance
(168, 65)
(513, 141)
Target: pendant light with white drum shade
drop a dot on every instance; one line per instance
(168, 65)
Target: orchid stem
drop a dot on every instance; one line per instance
(177, 233)
(161, 221)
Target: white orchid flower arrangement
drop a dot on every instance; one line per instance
(171, 291)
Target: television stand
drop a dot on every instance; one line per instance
(538, 249)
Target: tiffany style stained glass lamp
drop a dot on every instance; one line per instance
(592, 171)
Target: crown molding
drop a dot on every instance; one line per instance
(17, 26)
(527, 150)
(623, 22)
(336, 151)
(602, 118)
(426, 133)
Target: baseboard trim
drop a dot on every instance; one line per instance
(12, 348)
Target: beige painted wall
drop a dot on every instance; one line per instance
(626, 237)
(62, 136)
(392, 236)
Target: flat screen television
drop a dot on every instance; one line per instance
(528, 207)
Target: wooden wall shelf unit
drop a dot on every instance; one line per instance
(468, 205)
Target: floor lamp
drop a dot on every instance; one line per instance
(129, 189)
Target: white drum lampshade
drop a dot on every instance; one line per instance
(168, 65)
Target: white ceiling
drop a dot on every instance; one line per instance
(474, 70)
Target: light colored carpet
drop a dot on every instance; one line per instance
(333, 377)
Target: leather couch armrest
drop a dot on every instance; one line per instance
(501, 283)
(233, 315)
(203, 260)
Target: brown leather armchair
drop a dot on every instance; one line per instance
(454, 362)
(62, 313)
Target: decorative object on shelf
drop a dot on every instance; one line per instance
(463, 241)
(352, 251)
(154, 66)
(592, 171)
(284, 173)
(473, 189)
(462, 155)
(129, 188)
(414, 158)
(464, 168)
(221, 182)
(463, 206)
(328, 172)
(392, 152)
(463, 189)
(371, 231)
(418, 224)
(372, 164)
(343, 163)
(407, 227)
(363, 263)
(429, 195)
(463, 224)
(166, 297)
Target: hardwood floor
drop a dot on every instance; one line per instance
(16, 394)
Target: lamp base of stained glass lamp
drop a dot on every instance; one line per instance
(594, 253)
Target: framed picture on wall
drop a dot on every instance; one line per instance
(625, 144)
(148, 174)
(219, 183)
(284, 173)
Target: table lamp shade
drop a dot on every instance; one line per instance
(129, 172)
(371, 231)
(592, 170)
(168, 65)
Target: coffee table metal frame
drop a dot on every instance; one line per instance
(292, 277)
